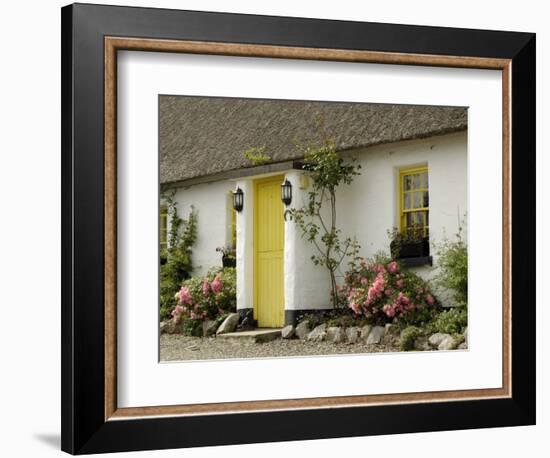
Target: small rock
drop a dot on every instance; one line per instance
(318, 334)
(209, 328)
(391, 330)
(436, 339)
(448, 343)
(229, 324)
(193, 347)
(164, 325)
(376, 334)
(339, 336)
(421, 344)
(288, 332)
(352, 334)
(171, 327)
(365, 331)
(391, 334)
(302, 330)
(463, 346)
(336, 334)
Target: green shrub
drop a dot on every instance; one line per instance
(408, 337)
(452, 321)
(191, 327)
(176, 261)
(453, 267)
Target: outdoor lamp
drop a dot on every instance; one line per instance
(238, 199)
(286, 192)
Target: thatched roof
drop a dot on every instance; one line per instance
(201, 136)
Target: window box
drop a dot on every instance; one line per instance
(407, 250)
(229, 261)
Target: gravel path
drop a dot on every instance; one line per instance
(178, 347)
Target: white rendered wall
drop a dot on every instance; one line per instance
(212, 203)
(370, 205)
(366, 209)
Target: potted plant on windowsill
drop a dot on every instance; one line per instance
(229, 257)
(411, 243)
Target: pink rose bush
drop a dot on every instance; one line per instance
(382, 291)
(208, 297)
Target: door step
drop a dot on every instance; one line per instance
(256, 335)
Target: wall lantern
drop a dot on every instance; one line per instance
(238, 199)
(286, 192)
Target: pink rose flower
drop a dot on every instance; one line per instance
(355, 307)
(176, 313)
(216, 284)
(430, 299)
(205, 287)
(184, 295)
(393, 267)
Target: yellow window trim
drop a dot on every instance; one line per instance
(163, 228)
(402, 210)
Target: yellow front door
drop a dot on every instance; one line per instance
(269, 238)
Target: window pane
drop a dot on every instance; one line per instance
(406, 182)
(425, 183)
(416, 181)
(407, 201)
(410, 219)
(426, 199)
(416, 202)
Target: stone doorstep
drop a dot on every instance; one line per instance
(256, 335)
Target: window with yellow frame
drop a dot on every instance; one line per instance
(414, 200)
(163, 225)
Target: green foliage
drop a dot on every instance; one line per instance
(191, 327)
(208, 297)
(328, 170)
(419, 317)
(408, 337)
(256, 155)
(340, 317)
(346, 320)
(176, 261)
(452, 321)
(453, 267)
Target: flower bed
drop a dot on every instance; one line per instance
(208, 297)
(383, 292)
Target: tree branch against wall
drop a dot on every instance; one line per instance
(328, 171)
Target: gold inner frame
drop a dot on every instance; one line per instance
(114, 44)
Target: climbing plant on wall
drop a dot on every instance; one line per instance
(317, 219)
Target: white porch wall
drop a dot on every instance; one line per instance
(306, 286)
(245, 248)
(213, 220)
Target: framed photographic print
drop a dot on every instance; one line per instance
(282, 228)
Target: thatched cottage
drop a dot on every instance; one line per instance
(414, 171)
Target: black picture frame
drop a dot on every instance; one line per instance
(84, 428)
